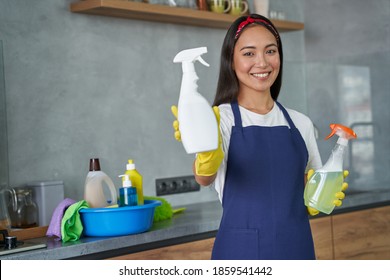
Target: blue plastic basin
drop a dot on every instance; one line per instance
(118, 221)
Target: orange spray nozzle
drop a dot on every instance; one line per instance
(342, 131)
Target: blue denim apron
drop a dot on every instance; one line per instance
(264, 216)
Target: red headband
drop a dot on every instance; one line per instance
(250, 20)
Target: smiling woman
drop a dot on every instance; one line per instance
(256, 63)
(228, 84)
(266, 150)
(262, 140)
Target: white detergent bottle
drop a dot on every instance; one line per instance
(323, 185)
(95, 184)
(197, 122)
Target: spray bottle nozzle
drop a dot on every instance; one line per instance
(126, 182)
(342, 131)
(191, 55)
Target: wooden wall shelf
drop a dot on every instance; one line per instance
(167, 14)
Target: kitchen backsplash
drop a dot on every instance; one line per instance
(81, 86)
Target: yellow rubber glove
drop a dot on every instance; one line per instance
(206, 163)
(339, 196)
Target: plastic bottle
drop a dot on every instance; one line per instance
(136, 180)
(197, 123)
(94, 187)
(321, 188)
(128, 193)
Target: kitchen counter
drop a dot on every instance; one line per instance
(199, 221)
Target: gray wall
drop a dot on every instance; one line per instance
(348, 64)
(3, 127)
(81, 86)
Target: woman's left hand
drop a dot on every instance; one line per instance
(339, 196)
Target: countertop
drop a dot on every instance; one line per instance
(198, 221)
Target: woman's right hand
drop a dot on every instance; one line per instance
(206, 163)
(176, 124)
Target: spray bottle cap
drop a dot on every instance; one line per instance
(188, 57)
(126, 182)
(130, 165)
(345, 133)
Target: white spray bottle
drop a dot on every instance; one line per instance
(322, 186)
(197, 122)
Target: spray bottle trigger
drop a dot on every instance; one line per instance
(342, 131)
(200, 59)
(330, 135)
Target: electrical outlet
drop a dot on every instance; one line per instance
(174, 185)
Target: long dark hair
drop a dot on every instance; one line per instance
(227, 89)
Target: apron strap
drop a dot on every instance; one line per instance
(286, 115)
(237, 115)
(294, 130)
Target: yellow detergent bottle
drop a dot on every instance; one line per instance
(136, 180)
(323, 185)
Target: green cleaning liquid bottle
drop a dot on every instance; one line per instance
(136, 180)
(321, 188)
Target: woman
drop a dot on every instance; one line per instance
(265, 151)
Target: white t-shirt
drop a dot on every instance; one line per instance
(273, 118)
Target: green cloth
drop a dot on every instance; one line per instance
(71, 225)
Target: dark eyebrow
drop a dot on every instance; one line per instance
(247, 47)
(271, 45)
(252, 47)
